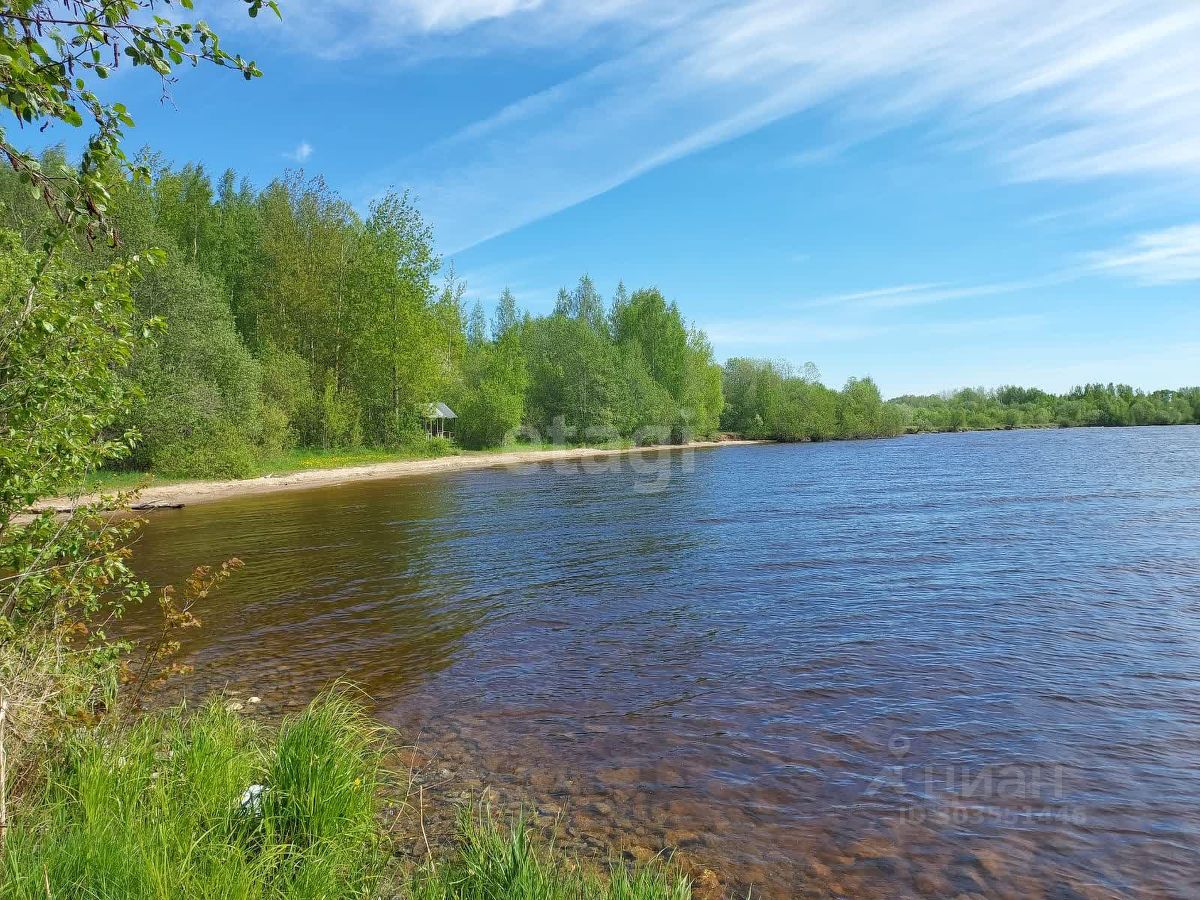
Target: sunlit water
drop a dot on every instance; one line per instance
(929, 666)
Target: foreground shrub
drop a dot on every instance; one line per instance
(166, 809)
(492, 863)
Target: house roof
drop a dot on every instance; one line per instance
(438, 411)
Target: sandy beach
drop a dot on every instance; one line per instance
(188, 493)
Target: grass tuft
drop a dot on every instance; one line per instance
(154, 810)
(494, 863)
(163, 808)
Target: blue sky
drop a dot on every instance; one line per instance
(935, 194)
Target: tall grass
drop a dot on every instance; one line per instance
(158, 810)
(493, 863)
(155, 810)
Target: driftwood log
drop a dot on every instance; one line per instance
(67, 510)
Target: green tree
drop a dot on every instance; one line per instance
(476, 326)
(656, 326)
(493, 405)
(507, 317)
(403, 337)
(859, 412)
(573, 378)
(703, 396)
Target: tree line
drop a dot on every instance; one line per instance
(1099, 405)
(776, 401)
(281, 318)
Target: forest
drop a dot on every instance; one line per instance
(280, 318)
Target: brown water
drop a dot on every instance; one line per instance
(932, 666)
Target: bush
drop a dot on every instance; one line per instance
(160, 810)
(440, 446)
(219, 451)
(489, 414)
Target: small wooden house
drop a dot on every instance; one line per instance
(439, 420)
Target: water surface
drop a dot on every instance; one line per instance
(929, 666)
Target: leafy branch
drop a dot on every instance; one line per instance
(50, 54)
(178, 615)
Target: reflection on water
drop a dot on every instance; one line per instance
(941, 665)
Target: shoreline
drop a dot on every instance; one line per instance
(189, 493)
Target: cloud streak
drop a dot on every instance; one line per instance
(338, 29)
(772, 332)
(1096, 89)
(927, 294)
(1170, 256)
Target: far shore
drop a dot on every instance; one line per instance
(188, 493)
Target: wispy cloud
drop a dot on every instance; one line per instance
(1169, 256)
(1094, 89)
(902, 294)
(769, 333)
(423, 28)
(905, 295)
(302, 152)
(819, 154)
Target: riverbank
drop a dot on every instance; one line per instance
(189, 493)
(205, 801)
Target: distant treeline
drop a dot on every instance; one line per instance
(1016, 407)
(777, 401)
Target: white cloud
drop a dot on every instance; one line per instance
(343, 28)
(302, 152)
(1078, 90)
(930, 293)
(1169, 256)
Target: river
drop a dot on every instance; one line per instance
(921, 667)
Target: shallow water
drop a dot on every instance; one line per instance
(929, 666)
